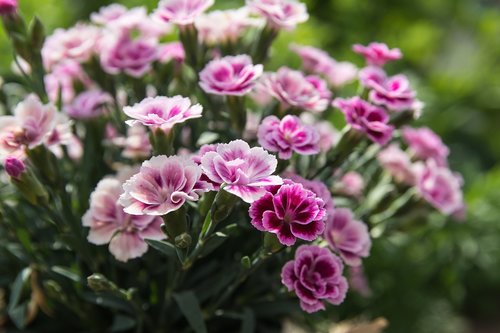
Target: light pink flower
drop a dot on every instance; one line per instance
(62, 80)
(108, 223)
(341, 73)
(162, 186)
(62, 135)
(29, 126)
(14, 166)
(77, 43)
(358, 281)
(136, 143)
(89, 104)
(398, 164)
(223, 26)
(162, 112)
(173, 51)
(425, 144)
(181, 12)
(377, 54)
(280, 14)
(315, 275)
(393, 92)
(352, 184)
(8, 7)
(136, 23)
(293, 89)
(243, 170)
(366, 118)
(290, 212)
(121, 53)
(328, 135)
(108, 14)
(347, 236)
(440, 187)
(287, 136)
(231, 75)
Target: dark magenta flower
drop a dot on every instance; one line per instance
(425, 144)
(316, 277)
(14, 166)
(291, 212)
(8, 7)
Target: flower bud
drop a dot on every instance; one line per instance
(14, 167)
(98, 283)
(183, 241)
(8, 7)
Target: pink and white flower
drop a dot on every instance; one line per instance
(398, 164)
(293, 89)
(61, 81)
(108, 14)
(351, 184)
(231, 75)
(62, 135)
(136, 143)
(366, 118)
(425, 144)
(315, 275)
(290, 212)
(181, 12)
(162, 112)
(163, 185)
(173, 51)
(77, 43)
(243, 171)
(287, 136)
(393, 92)
(377, 54)
(347, 236)
(89, 104)
(108, 223)
(280, 14)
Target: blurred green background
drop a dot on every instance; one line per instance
(446, 276)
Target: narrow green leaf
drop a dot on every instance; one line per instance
(164, 247)
(67, 273)
(248, 321)
(17, 287)
(109, 301)
(122, 323)
(188, 303)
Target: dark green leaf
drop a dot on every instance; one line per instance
(66, 273)
(248, 324)
(122, 323)
(109, 301)
(164, 247)
(188, 303)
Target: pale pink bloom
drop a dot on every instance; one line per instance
(328, 135)
(173, 51)
(280, 14)
(62, 135)
(377, 54)
(244, 171)
(181, 12)
(61, 82)
(366, 118)
(77, 43)
(29, 126)
(341, 73)
(425, 144)
(223, 26)
(352, 184)
(440, 187)
(398, 164)
(108, 223)
(121, 53)
(315, 275)
(347, 236)
(358, 281)
(251, 126)
(231, 75)
(287, 136)
(136, 21)
(162, 112)
(393, 92)
(136, 143)
(293, 89)
(8, 7)
(163, 185)
(89, 104)
(108, 14)
(14, 166)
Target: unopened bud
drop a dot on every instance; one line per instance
(183, 241)
(14, 167)
(98, 282)
(8, 7)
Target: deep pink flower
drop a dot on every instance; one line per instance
(14, 166)
(108, 223)
(108, 14)
(61, 82)
(393, 92)
(440, 187)
(89, 104)
(398, 164)
(292, 212)
(319, 188)
(231, 75)
(352, 184)
(280, 14)
(366, 118)
(162, 112)
(293, 89)
(316, 277)
(377, 54)
(287, 136)
(121, 53)
(77, 43)
(425, 144)
(347, 236)
(162, 186)
(173, 51)
(8, 7)
(181, 12)
(243, 170)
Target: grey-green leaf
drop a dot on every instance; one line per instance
(190, 307)
(164, 247)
